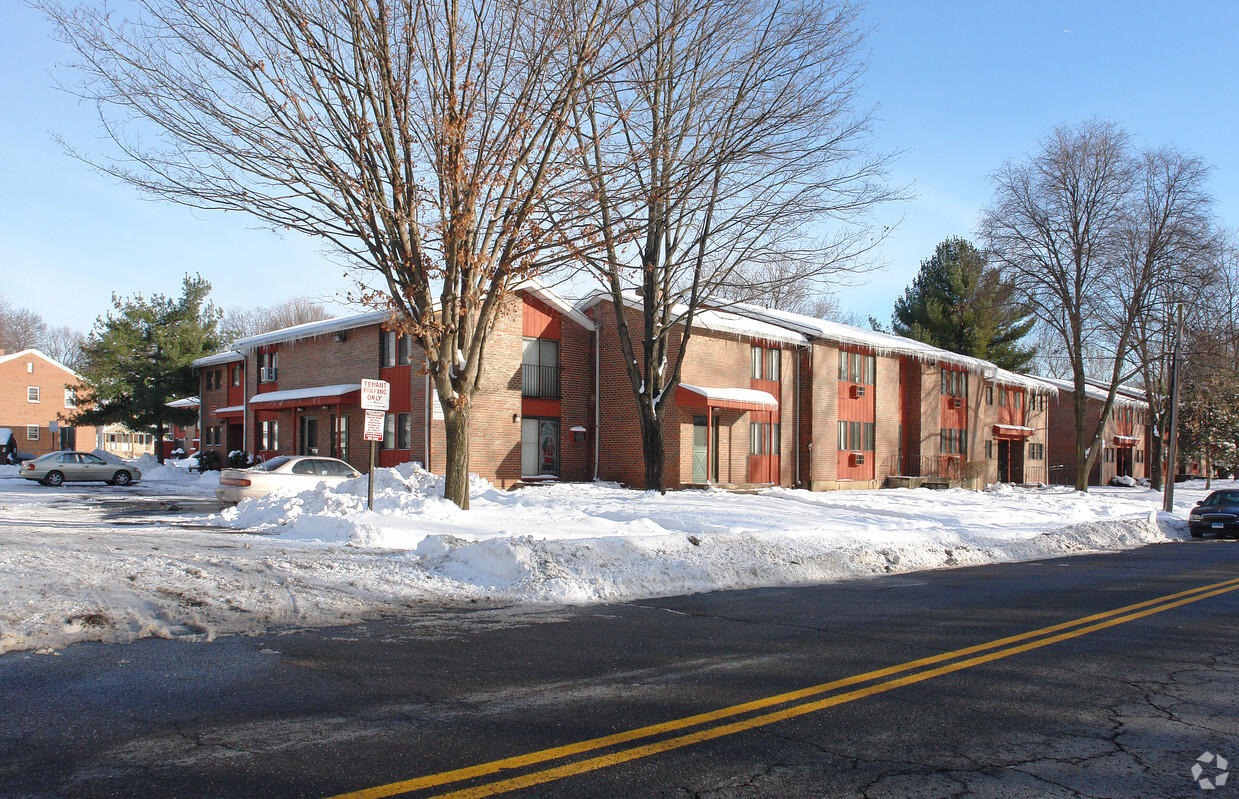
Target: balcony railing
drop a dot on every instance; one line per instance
(539, 381)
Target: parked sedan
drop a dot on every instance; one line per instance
(1217, 513)
(56, 468)
(299, 472)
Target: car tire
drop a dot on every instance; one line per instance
(1198, 533)
(54, 479)
(121, 478)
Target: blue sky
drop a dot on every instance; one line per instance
(961, 87)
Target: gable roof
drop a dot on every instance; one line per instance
(1125, 396)
(27, 353)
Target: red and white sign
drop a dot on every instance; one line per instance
(374, 425)
(375, 395)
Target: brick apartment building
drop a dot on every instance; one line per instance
(1125, 438)
(766, 398)
(877, 409)
(33, 399)
(298, 391)
(726, 422)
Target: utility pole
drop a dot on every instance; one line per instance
(1172, 446)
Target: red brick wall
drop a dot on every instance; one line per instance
(17, 412)
(714, 361)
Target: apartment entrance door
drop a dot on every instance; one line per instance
(705, 450)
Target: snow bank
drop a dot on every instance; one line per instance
(320, 557)
(598, 542)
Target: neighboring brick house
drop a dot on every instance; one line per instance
(1125, 438)
(297, 391)
(34, 399)
(727, 423)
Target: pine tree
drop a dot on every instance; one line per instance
(140, 356)
(959, 303)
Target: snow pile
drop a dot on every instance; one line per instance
(589, 543)
(68, 573)
(10, 471)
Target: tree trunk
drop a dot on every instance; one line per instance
(654, 452)
(1153, 463)
(456, 470)
(1083, 445)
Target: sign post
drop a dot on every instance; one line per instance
(375, 399)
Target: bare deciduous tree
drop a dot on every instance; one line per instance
(420, 140)
(1087, 232)
(20, 328)
(717, 160)
(65, 345)
(240, 323)
(1173, 231)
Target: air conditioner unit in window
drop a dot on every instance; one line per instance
(268, 374)
(957, 402)
(858, 391)
(858, 459)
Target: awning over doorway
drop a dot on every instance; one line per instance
(739, 399)
(1126, 441)
(232, 411)
(1012, 431)
(343, 394)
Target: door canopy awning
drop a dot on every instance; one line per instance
(344, 394)
(738, 399)
(1126, 441)
(231, 412)
(1012, 431)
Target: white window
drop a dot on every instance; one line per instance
(32, 432)
(32, 393)
(70, 398)
(29, 367)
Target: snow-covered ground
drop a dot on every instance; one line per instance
(75, 564)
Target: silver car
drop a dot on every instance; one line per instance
(56, 468)
(298, 472)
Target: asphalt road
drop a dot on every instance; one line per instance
(1119, 705)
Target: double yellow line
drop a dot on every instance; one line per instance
(921, 670)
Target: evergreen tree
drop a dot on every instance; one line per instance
(140, 356)
(959, 303)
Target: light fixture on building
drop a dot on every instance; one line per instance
(516, 417)
(341, 336)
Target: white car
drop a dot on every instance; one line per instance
(298, 472)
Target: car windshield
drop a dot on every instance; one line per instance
(1223, 498)
(273, 464)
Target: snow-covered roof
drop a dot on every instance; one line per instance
(235, 408)
(6, 435)
(889, 344)
(304, 393)
(227, 356)
(715, 321)
(1127, 396)
(544, 293)
(27, 353)
(301, 332)
(734, 396)
(1013, 428)
(187, 402)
